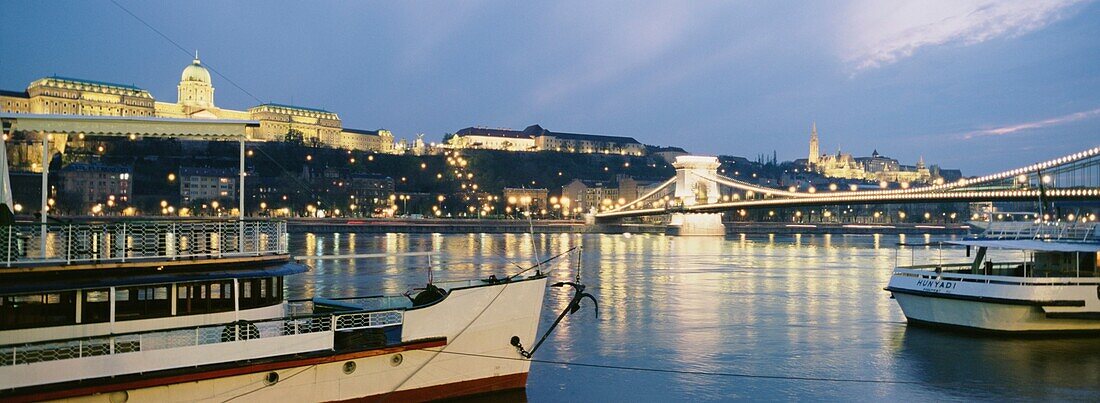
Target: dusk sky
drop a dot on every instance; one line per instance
(976, 85)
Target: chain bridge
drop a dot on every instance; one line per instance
(698, 195)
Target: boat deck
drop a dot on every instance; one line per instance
(32, 247)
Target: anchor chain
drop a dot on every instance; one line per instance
(573, 306)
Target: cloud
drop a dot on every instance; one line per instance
(636, 37)
(431, 28)
(1039, 124)
(881, 32)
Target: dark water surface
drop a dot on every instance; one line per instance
(761, 318)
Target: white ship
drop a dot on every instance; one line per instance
(194, 311)
(1053, 286)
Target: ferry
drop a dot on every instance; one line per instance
(1047, 282)
(195, 311)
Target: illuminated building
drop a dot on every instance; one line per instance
(533, 199)
(96, 183)
(194, 100)
(589, 195)
(535, 138)
(876, 168)
(207, 184)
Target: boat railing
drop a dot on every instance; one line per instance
(987, 268)
(28, 353)
(1004, 274)
(1051, 231)
(453, 284)
(361, 303)
(26, 244)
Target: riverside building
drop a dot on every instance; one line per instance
(535, 138)
(194, 100)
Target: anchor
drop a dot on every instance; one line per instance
(573, 306)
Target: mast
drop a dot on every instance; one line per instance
(7, 205)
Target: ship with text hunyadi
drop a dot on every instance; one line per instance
(195, 311)
(1022, 277)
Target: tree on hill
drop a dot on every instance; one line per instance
(294, 136)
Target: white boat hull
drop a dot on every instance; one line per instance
(998, 303)
(458, 346)
(986, 316)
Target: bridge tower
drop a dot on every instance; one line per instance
(693, 187)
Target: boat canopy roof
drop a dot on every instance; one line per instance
(53, 284)
(1031, 244)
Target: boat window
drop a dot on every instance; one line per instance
(221, 296)
(37, 310)
(146, 301)
(258, 292)
(207, 297)
(96, 306)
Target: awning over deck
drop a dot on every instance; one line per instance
(128, 126)
(95, 280)
(1031, 244)
(124, 126)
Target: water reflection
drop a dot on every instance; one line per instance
(1026, 367)
(799, 305)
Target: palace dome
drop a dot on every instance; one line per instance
(195, 72)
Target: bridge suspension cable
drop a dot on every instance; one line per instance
(1072, 169)
(647, 195)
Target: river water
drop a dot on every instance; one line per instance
(760, 317)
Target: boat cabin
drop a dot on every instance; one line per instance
(104, 278)
(1040, 250)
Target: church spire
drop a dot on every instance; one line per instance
(815, 151)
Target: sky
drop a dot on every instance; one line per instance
(977, 85)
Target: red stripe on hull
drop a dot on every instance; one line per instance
(451, 390)
(147, 382)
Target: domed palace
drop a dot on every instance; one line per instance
(195, 89)
(195, 97)
(194, 100)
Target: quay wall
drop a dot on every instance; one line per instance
(452, 226)
(847, 228)
(431, 226)
(498, 226)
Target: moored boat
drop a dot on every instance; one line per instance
(195, 311)
(1053, 287)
